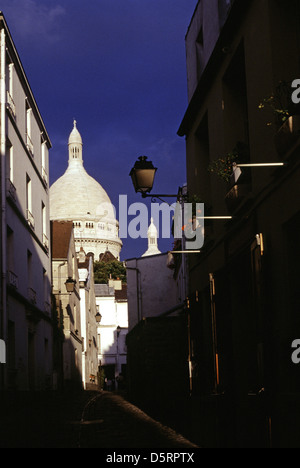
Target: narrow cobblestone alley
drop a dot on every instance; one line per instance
(87, 420)
(111, 422)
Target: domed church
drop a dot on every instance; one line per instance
(77, 197)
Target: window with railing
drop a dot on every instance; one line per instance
(44, 226)
(30, 219)
(11, 105)
(43, 153)
(45, 241)
(29, 215)
(32, 295)
(12, 279)
(11, 190)
(29, 142)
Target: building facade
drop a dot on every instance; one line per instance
(243, 56)
(77, 197)
(88, 312)
(69, 343)
(111, 300)
(151, 288)
(157, 342)
(25, 310)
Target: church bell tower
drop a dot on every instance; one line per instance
(75, 146)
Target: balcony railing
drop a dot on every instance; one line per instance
(44, 175)
(11, 105)
(30, 219)
(11, 190)
(29, 144)
(32, 295)
(45, 241)
(12, 279)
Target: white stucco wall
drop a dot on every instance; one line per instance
(151, 288)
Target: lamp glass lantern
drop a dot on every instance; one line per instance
(98, 317)
(142, 175)
(70, 285)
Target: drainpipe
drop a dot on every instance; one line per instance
(3, 309)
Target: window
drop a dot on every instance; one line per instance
(29, 143)
(11, 79)
(28, 119)
(11, 164)
(9, 161)
(43, 152)
(29, 268)
(29, 215)
(198, 166)
(44, 218)
(75, 317)
(12, 278)
(46, 292)
(11, 189)
(235, 101)
(10, 249)
(44, 226)
(99, 343)
(28, 193)
(10, 90)
(75, 152)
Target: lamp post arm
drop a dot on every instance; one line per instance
(160, 197)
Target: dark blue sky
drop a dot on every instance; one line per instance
(118, 67)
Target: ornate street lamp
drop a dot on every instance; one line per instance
(142, 175)
(70, 285)
(98, 317)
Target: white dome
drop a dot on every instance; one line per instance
(75, 137)
(77, 197)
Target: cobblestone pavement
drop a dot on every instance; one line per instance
(84, 420)
(111, 422)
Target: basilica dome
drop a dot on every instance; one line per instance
(78, 197)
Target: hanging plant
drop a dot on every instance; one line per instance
(280, 103)
(222, 167)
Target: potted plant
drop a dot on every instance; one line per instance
(286, 117)
(238, 182)
(222, 167)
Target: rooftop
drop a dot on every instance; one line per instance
(61, 232)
